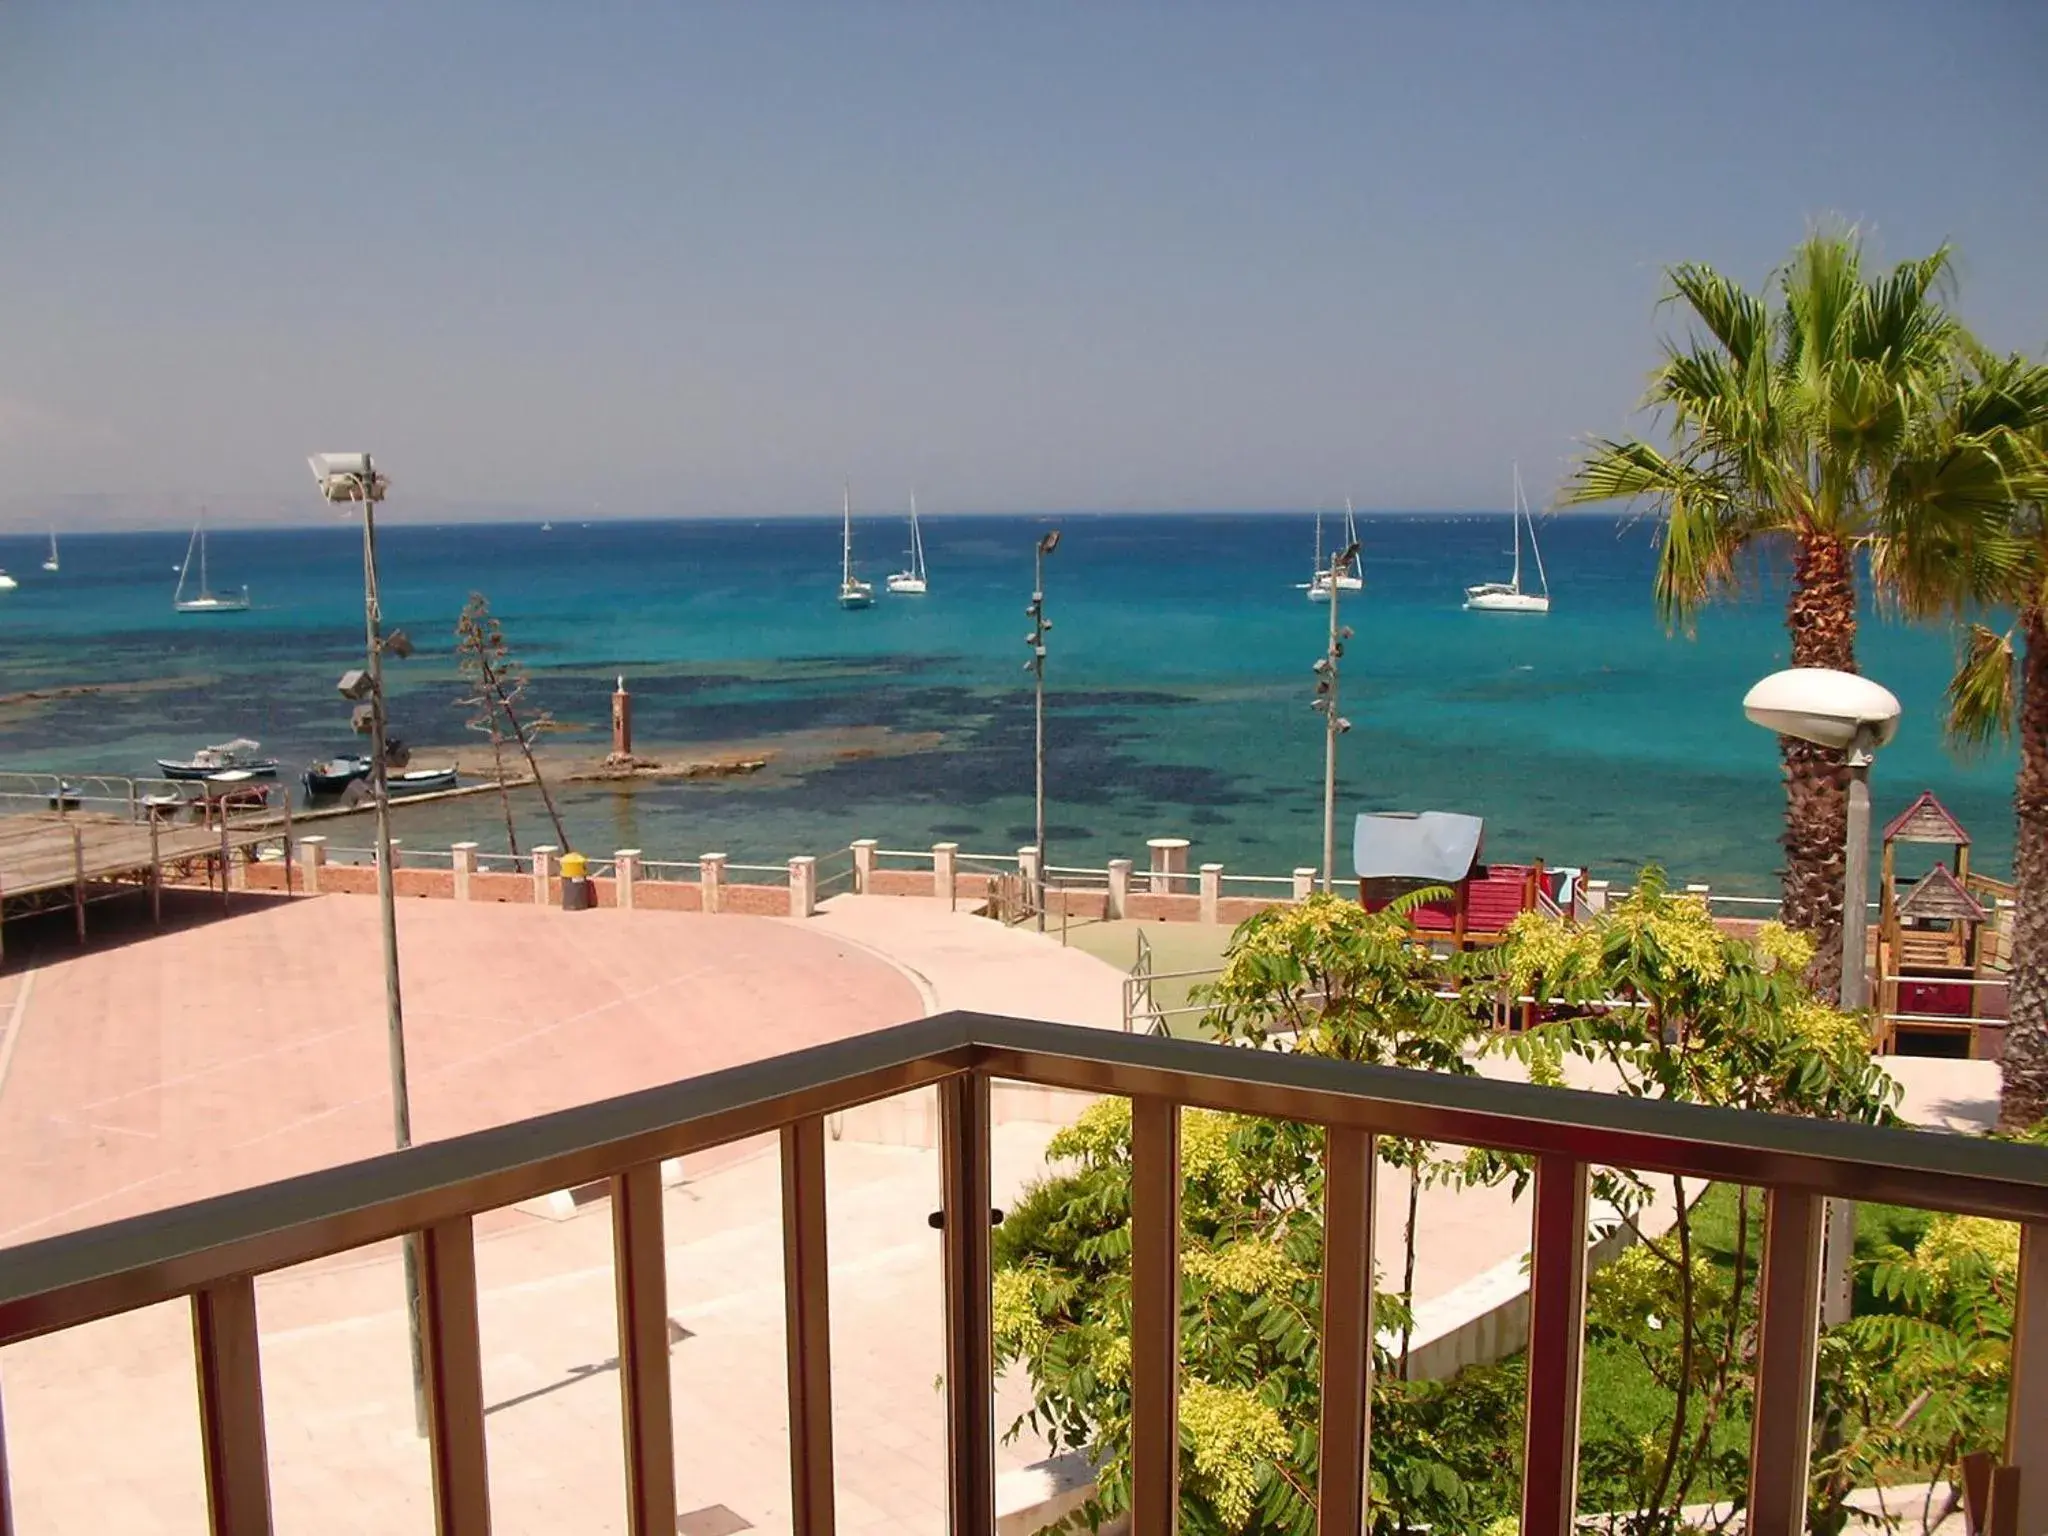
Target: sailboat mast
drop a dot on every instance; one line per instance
(846, 534)
(916, 541)
(205, 586)
(1534, 548)
(1515, 523)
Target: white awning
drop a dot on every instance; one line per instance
(1415, 845)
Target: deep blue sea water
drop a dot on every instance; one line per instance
(1179, 682)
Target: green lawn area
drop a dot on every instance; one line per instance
(1623, 1403)
(1175, 947)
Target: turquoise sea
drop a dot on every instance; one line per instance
(1179, 682)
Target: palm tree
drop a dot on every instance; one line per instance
(1793, 415)
(1972, 563)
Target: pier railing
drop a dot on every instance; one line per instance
(208, 1255)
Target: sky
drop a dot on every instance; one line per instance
(614, 259)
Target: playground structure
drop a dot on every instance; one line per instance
(1943, 944)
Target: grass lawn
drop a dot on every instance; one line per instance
(1624, 1405)
(1175, 947)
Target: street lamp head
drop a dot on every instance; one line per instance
(354, 685)
(347, 477)
(1049, 543)
(1829, 708)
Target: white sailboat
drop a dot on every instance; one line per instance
(208, 601)
(853, 592)
(912, 581)
(51, 563)
(1318, 587)
(7, 582)
(1508, 596)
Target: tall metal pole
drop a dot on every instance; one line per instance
(1856, 884)
(1038, 724)
(394, 1007)
(1838, 1281)
(1334, 724)
(1330, 745)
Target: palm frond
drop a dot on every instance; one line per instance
(1617, 471)
(1724, 309)
(1703, 532)
(1983, 696)
(1901, 314)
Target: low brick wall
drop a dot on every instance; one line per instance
(668, 895)
(752, 900)
(1175, 908)
(1232, 910)
(502, 886)
(901, 882)
(971, 888)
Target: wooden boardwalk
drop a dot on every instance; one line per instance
(43, 855)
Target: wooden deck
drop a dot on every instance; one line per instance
(41, 854)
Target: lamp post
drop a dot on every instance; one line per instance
(1334, 724)
(352, 479)
(1036, 666)
(1853, 716)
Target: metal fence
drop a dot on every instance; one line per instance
(208, 1254)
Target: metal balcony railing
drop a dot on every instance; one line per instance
(211, 1251)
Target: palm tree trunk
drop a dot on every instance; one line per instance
(2023, 1095)
(1821, 617)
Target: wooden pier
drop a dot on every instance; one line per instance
(72, 858)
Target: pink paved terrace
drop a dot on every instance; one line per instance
(235, 1052)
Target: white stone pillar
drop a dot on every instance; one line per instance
(397, 854)
(1703, 892)
(543, 867)
(1212, 891)
(1304, 882)
(864, 864)
(711, 878)
(625, 874)
(1169, 858)
(463, 857)
(1119, 889)
(313, 859)
(945, 869)
(1596, 896)
(1027, 872)
(803, 885)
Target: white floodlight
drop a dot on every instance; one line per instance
(347, 477)
(1826, 707)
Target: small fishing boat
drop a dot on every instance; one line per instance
(853, 592)
(419, 781)
(51, 563)
(240, 754)
(1508, 596)
(7, 582)
(912, 581)
(207, 600)
(336, 774)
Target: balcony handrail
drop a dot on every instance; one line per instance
(78, 1277)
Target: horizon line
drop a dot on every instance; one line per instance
(524, 519)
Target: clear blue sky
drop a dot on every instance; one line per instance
(661, 259)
